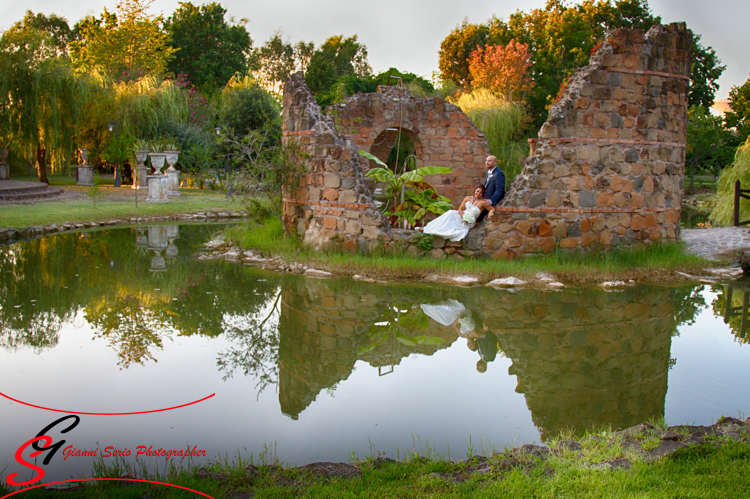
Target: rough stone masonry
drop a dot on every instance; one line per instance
(606, 170)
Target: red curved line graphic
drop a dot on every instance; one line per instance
(102, 479)
(105, 413)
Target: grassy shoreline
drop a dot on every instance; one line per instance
(656, 264)
(644, 461)
(659, 263)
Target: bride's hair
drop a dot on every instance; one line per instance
(480, 187)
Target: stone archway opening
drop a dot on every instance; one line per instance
(397, 147)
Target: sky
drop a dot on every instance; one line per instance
(406, 34)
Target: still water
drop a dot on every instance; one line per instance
(130, 320)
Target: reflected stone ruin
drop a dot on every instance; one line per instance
(606, 170)
(582, 360)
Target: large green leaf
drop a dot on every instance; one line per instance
(370, 156)
(433, 170)
(381, 174)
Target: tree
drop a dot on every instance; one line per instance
(246, 107)
(42, 101)
(559, 37)
(502, 68)
(739, 117)
(705, 69)
(207, 47)
(124, 45)
(723, 212)
(337, 57)
(275, 61)
(456, 49)
(266, 170)
(54, 29)
(710, 146)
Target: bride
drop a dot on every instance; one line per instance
(455, 224)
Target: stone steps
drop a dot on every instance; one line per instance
(23, 192)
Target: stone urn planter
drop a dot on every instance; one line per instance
(85, 170)
(157, 161)
(173, 174)
(141, 240)
(141, 155)
(157, 262)
(4, 166)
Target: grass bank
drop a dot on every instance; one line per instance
(605, 465)
(651, 264)
(117, 203)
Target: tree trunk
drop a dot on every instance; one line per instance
(41, 164)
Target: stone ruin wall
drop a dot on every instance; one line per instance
(606, 170)
(608, 166)
(332, 207)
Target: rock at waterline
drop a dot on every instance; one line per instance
(506, 282)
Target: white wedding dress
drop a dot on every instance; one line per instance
(450, 225)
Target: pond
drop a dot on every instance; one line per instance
(131, 320)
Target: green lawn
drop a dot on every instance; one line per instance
(49, 212)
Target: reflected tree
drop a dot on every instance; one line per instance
(731, 304)
(687, 302)
(256, 345)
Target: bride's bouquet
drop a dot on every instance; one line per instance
(470, 217)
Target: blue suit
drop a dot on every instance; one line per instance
(494, 185)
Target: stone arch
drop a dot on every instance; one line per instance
(444, 134)
(381, 146)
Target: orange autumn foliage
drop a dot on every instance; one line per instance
(502, 68)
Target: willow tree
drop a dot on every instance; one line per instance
(41, 99)
(146, 107)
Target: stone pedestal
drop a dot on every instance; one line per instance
(173, 181)
(4, 166)
(157, 189)
(142, 178)
(85, 175)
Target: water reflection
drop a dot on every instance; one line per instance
(581, 358)
(108, 278)
(731, 303)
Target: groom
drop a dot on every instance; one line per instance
(494, 184)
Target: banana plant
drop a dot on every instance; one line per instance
(396, 184)
(419, 200)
